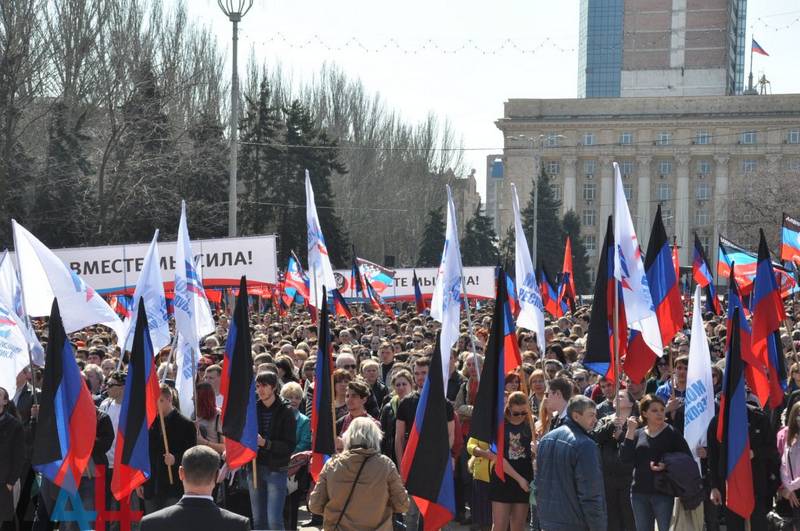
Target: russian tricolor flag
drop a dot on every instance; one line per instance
(599, 356)
(702, 275)
(323, 432)
(732, 432)
(768, 314)
(502, 358)
(239, 422)
(758, 49)
(664, 288)
(65, 427)
(138, 412)
(426, 467)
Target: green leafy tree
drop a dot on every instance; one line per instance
(549, 244)
(61, 185)
(261, 163)
(479, 245)
(580, 263)
(430, 250)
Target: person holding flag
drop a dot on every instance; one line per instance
(12, 458)
(699, 402)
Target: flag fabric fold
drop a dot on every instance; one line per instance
(699, 407)
(319, 263)
(790, 240)
(664, 288)
(756, 48)
(150, 290)
(239, 422)
(529, 299)
(732, 431)
(702, 275)
(44, 277)
(137, 414)
(768, 315)
(323, 431)
(356, 285)
(340, 305)
(426, 466)
(11, 300)
(419, 301)
(502, 358)
(65, 427)
(568, 276)
(446, 300)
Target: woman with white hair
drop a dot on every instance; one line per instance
(359, 488)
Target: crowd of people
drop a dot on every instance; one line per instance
(580, 452)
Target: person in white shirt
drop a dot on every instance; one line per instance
(213, 375)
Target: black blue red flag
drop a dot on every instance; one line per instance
(732, 431)
(768, 315)
(664, 287)
(356, 283)
(64, 437)
(599, 356)
(502, 358)
(340, 306)
(238, 388)
(426, 467)
(702, 275)
(549, 293)
(511, 290)
(137, 414)
(419, 301)
(323, 432)
(790, 240)
(376, 301)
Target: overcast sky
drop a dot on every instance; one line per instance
(468, 86)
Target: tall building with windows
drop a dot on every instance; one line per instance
(632, 48)
(684, 153)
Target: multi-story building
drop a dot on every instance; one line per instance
(684, 153)
(657, 48)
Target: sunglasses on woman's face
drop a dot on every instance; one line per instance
(519, 413)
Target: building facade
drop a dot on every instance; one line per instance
(633, 48)
(684, 153)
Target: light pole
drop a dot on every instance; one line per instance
(234, 10)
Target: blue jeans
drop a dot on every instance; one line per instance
(652, 508)
(266, 501)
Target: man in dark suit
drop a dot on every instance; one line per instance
(196, 510)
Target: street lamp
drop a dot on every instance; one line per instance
(234, 10)
(535, 142)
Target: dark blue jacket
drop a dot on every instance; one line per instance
(569, 481)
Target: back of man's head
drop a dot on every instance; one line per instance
(200, 465)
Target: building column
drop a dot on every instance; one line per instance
(569, 199)
(643, 199)
(720, 223)
(606, 199)
(682, 196)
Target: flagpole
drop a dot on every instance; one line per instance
(615, 343)
(27, 317)
(166, 444)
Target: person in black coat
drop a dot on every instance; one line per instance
(196, 509)
(158, 492)
(25, 405)
(12, 451)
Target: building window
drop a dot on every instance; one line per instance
(702, 138)
(703, 191)
(703, 167)
(628, 188)
(663, 192)
(749, 137)
(588, 139)
(793, 164)
(551, 140)
(589, 166)
(626, 139)
(794, 136)
(589, 191)
(701, 217)
(626, 168)
(553, 167)
(666, 216)
(706, 242)
(588, 218)
(590, 243)
(557, 191)
(664, 167)
(664, 138)
(749, 166)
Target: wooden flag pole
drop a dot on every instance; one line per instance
(255, 473)
(166, 444)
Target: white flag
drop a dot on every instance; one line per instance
(193, 319)
(699, 384)
(44, 277)
(150, 289)
(186, 357)
(446, 300)
(11, 298)
(531, 308)
(319, 264)
(629, 271)
(13, 349)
